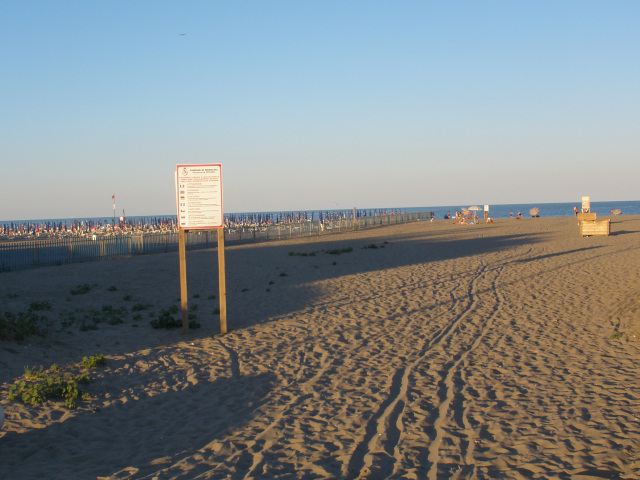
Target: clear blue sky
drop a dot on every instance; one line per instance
(317, 104)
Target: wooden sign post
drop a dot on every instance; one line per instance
(222, 283)
(199, 202)
(183, 280)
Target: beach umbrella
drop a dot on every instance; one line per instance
(475, 208)
(534, 212)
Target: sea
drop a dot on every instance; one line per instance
(545, 209)
(565, 209)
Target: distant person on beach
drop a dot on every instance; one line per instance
(511, 214)
(575, 211)
(447, 215)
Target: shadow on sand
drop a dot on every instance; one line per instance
(183, 422)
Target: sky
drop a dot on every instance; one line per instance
(316, 104)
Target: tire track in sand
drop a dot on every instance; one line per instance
(380, 445)
(391, 409)
(450, 392)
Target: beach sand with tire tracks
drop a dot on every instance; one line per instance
(426, 350)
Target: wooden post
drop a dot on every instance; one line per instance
(183, 281)
(354, 218)
(222, 284)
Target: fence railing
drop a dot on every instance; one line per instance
(22, 254)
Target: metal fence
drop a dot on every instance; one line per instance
(22, 254)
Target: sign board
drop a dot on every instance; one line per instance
(199, 196)
(586, 205)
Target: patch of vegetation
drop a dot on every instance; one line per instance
(20, 326)
(197, 295)
(40, 386)
(211, 297)
(138, 307)
(167, 320)
(268, 290)
(338, 251)
(271, 282)
(282, 274)
(372, 246)
(173, 309)
(216, 311)
(193, 307)
(89, 319)
(616, 336)
(112, 288)
(303, 254)
(127, 298)
(81, 289)
(244, 290)
(93, 361)
(12, 295)
(39, 306)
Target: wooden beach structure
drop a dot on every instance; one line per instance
(590, 226)
(586, 217)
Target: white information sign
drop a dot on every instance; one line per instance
(199, 196)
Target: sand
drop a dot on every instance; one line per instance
(449, 351)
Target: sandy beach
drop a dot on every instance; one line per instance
(419, 351)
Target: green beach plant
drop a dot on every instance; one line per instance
(138, 307)
(81, 289)
(93, 361)
(39, 306)
(40, 385)
(167, 320)
(22, 325)
(339, 251)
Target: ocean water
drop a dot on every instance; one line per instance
(546, 209)
(495, 211)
